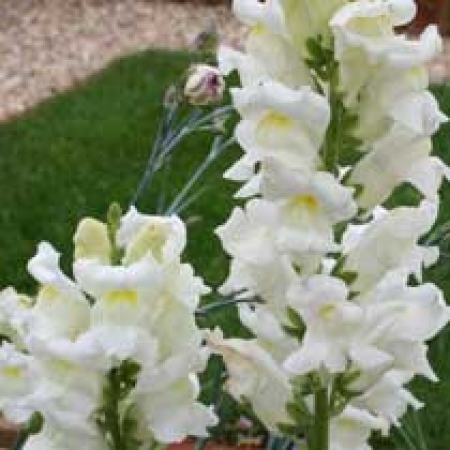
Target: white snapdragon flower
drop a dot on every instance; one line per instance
(266, 322)
(278, 123)
(130, 295)
(268, 281)
(14, 313)
(264, 233)
(147, 294)
(365, 39)
(66, 394)
(358, 319)
(378, 97)
(140, 234)
(331, 322)
(15, 384)
(396, 98)
(166, 397)
(269, 53)
(388, 399)
(61, 309)
(391, 240)
(399, 319)
(378, 172)
(313, 204)
(249, 235)
(255, 376)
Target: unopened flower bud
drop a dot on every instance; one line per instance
(205, 85)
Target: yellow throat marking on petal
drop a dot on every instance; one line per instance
(49, 293)
(346, 424)
(258, 29)
(126, 296)
(12, 372)
(368, 26)
(61, 366)
(276, 120)
(305, 201)
(326, 311)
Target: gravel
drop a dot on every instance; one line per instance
(46, 46)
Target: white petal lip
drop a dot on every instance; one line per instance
(44, 267)
(229, 59)
(396, 50)
(304, 105)
(167, 395)
(331, 324)
(392, 243)
(246, 235)
(400, 11)
(379, 173)
(254, 374)
(419, 111)
(97, 279)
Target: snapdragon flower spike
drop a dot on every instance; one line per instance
(115, 319)
(342, 316)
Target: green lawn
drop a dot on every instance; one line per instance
(75, 154)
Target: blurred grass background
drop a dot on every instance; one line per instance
(73, 155)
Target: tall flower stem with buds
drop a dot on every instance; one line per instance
(335, 115)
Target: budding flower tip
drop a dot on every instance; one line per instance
(205, 85)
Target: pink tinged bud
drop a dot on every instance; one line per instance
(205, 85)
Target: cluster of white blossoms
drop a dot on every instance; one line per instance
(125, 324)
(341, 313)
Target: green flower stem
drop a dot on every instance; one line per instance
(170, 135)
(219, 305)
(333, 139)
(419, 430)
(321, 420)
(113, 412)
(220, 144)
(115, 418)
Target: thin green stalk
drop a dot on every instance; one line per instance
(406, 439)
(218, 147)
(333, 138)
(164, 129)
(321, 420)
(114, 416)
(418, 427)
(168, 138)
(217, 306)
